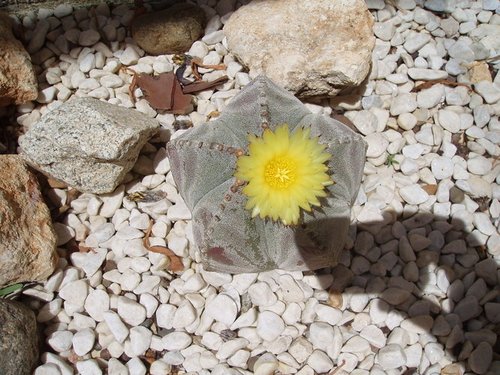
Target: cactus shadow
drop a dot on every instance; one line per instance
(421, 270)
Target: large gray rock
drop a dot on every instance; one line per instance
(18, 339)
(87, 143)
(312, 48)
(27, 239)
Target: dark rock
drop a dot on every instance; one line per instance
(18, 339)
(172, 30)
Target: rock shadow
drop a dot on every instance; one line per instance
(420, 270)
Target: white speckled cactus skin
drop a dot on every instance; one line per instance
(203, 161)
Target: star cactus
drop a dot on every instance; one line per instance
(270, 185)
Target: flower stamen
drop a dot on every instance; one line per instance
(280, 173)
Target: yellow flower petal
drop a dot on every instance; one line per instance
(285, 173)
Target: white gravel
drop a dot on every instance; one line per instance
(416, 289)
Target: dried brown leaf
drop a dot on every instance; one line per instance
(175, 262)
(203, 85)
(445, 82)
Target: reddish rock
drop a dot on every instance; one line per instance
(28, 240)
(18, 83)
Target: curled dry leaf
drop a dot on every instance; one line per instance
(445, 82)
(175, 262)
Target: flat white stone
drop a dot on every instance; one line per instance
(75, 292)
(176, 341)
(261, 294)
(423, 74)
(321, 335)
(442, 167)
(184, 315)
(413, 194)
(47, 369)
(449, 120)
(320, 362)
(403, 103)
(230, 347)
(130, 311)
(391, 356)
(269, 325)
(328, 314)
(165, 316)
(292, 292)
(96, 304)
(374, 335)
(223, 309)
(116, 326)
(89, 262)
(377, 145)
(489, 91)
(88, 367)
(60, 341)
(479, 165)
(83, 341)
(140, 340)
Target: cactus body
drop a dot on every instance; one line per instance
(203, 162)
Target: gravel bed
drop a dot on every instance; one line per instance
(416, 290)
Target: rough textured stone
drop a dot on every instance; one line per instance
(285, 46)
(28, 241)
(87, 143)
(18, 82)
(172, 30)
(18, 339)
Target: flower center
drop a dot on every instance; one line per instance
(280, 172)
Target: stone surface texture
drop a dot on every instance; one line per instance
(88, 144)
(18, 82)
(172, 30)
(28, 240)
(18, 339)
(281, 40)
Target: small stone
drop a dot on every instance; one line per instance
(261, 294)
(374, 335)
(60, 341)
(391, 356)
(89, 37)
(449, 120)
(320, 362)
(403, 103)
(489, 91)
(130, 311)
(321, 335)
(140, 340)
(116, 326)
(480, 358)
(479, 165)
(413, 194)
(83, 341)
(415, 41)
(269, 325)
(223, 309)
(430, 97)
(176, 341)
(442, 167)
(395, 296)
(422, 74)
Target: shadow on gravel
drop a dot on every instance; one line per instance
(419, 273)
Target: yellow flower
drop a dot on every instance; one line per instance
(285, 172)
